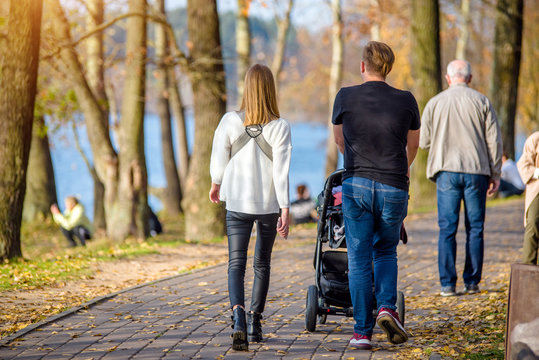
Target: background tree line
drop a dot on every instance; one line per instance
(104, 64)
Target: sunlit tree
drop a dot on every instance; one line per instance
(19, 59)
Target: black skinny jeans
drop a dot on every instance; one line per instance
(238, 228)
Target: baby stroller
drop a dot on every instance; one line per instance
(330, 295)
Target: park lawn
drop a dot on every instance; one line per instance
(47, 260)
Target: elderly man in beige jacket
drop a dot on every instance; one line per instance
(460, 129)
(528, 167)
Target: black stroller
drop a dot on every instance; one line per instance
(331, 295)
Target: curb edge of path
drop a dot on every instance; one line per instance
(8, 339)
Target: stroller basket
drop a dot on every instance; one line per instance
(334, 279)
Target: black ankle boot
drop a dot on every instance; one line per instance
(239, 337)
(254, 328)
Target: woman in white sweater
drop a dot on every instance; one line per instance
(249, 171)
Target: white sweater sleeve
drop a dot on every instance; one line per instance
(282, 149)
(220, 154)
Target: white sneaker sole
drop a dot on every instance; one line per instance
(361, 344)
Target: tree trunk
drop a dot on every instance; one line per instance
(40, 184)
(506, 68)
(95, 69)
(376, 15)
(464, 30)
(18, 74)
(427, 75)
(105, 158)
(95, 61)
(282, 31)
(204, 220)
(131, 210)
(172, 200)
(335, 79)
(243, 44)
(176, 105)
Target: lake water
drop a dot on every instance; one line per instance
(72, 176)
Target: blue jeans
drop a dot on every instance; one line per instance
(451, 189)
(373, 214)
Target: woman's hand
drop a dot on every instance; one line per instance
(283, 223)
(214, 193)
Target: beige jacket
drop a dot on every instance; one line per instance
(527, 164)
(460, 130)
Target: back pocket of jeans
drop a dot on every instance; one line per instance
(394, 210)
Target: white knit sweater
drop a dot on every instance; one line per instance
(250, 182)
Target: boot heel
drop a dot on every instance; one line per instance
(254, 327)
(239, 336)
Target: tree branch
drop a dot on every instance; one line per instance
(182, 59)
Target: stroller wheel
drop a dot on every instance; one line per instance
(400, 306)
(322, 317)
(311, 308)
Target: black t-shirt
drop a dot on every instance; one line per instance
(376, 119)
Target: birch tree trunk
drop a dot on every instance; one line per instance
(282, 32)
(335, 79)
(172, 200)
(40, 184)
(95, 70)
(427, 76)
(204, 220)
(243, 44)
(506, 68)
(18, 74)
(130, 213)
(464, 30)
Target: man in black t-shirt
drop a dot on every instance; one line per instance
(376, 127)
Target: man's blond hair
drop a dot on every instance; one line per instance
(378, 58)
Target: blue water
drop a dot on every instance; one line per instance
(73, 178)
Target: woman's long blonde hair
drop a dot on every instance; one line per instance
(259, 96)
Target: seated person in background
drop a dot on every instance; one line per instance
(73, 221)
(153, 223)
(510, 183)
(302, 210)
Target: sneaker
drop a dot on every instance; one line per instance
(472, 289)
(361, 342)
(388, 320)
(448, 291)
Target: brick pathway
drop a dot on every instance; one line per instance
(187, 316)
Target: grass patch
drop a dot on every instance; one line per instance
(47, 259)
(496, 349)
(499, 201)
(28, 274)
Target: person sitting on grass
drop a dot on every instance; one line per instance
(303, 209)
(73, 222)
